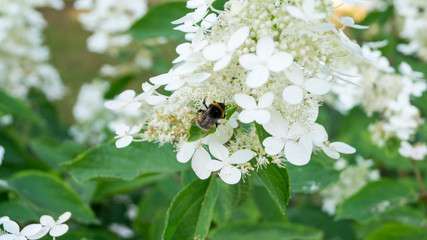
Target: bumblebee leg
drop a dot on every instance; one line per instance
(216, 124)
(204, 103)
(200, 110)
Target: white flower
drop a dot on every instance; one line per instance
(350, 45)
(191, 64)
(186, 49)
(198, 155)
(307, 13)
(294, 94)
(333, 149)
(223, 53)
(229, 173)
(406, 70)
(189, 20)
(1, 154)
(13, 232)
(175, 81)
(416, 152)
(125, 100)
(198, 3)
(253, 111)
(55, 228)
(263, 62)
(148, 94)
(124, 135)
(349, 22)
(209, 21)
(283, 136)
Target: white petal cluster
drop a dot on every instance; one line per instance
(416, 151)
(378, 88)
(271, 61)
(109, 20)
(34, 231)
(24, 61)
(352, 179)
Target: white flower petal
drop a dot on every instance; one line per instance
(238, 38)
(214, 165)
(222, 63)
(31, 229)
(279, 61)
(330, 152)
(295, 74)
(277, 126)
(127, 95)
(262, 116)
(198, 77)
(249, 61)
(247, 116)
(164, 79)
(219, 151)
(297, 130)
(222, 135)
(186, 151)
(121, 130)
(209, 21)
(257, 77)
(293, 94)
(265, 48)
(295, 12)
(242, 156)
(266, 100)
(43, 231)
(230, 174)
(214, 52)
(58, 230)
(198, 163)
(174, 85)
(245, 101)
(297, 153)
(155, 100)
(317, 86)
(342, 147)
(11, 226)
(273, 145)
(47, 220)
(124, 141)
(8, 237)
(132, 106)
(114, 104)
(318, 135)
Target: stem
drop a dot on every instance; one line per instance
(423, 192)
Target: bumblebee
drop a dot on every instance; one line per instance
(209, 117)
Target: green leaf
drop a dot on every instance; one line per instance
(51, 195)
(276, 181)
(17, 108)
(311, 178)
(262, 134)
(157, 22)
(270, 231)
(107, 189)
(106, 161)
(394, 231)
(53, 152)
(191, 211)
(196, 133)
(375, 198)
(18, 211)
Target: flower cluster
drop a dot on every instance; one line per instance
(412, 15)
(109, 20)
(352, 179)
(270, 63)
(379, 89)
(34, 231)
(23, 59)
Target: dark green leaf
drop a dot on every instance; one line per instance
(311, 178)
(18, 211)
(270, 231)
(118, 86)
(375, 198)
(191, 211)
(106, 161)
(196, 133)
(262, 134)
(17, 108)
(276, 181)
(51, 195)
(157, 22)
(394, 231)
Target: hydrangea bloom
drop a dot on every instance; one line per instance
(24, 61)
(245, 55)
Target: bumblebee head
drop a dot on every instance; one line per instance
(219, 108)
